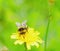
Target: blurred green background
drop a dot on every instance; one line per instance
(37, 13)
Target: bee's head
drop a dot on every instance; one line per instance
(22, 29)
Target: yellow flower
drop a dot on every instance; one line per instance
(31, 38)
(26, 35)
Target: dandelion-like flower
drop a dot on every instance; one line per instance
(26, 35)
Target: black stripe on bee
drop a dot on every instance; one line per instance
(22, 30)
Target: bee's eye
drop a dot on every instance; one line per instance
(21, 29)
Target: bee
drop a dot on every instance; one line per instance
(22, 28)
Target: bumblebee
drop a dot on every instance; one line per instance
(22, 28)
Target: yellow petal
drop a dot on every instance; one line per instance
(14, 36)
(21, 42)
(18, 42)
(36, 44)
(40, 41)
(37, 33)
(28, 47)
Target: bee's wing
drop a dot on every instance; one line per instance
(24, 23)
(18, 24)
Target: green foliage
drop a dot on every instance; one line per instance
(37, 13)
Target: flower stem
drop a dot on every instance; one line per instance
(46, 36)
(25, 46)
(50, 6)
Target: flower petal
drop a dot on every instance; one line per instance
(36, 44)
(21, 42)
(40, 41)
(14, 36)
(28, 47)
(18, 42)
(37, 33)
